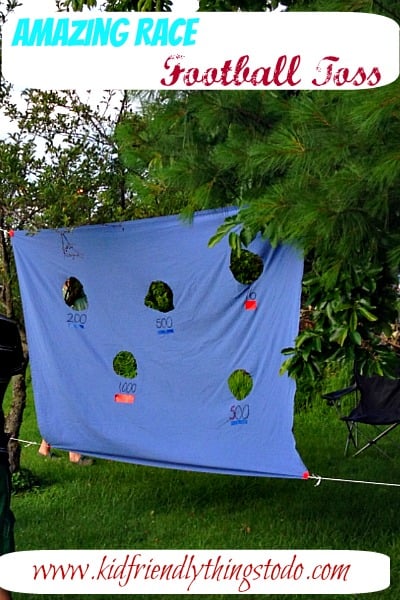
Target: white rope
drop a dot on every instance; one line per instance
(26, 442)
(319, 479)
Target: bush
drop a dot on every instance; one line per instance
(24, 481)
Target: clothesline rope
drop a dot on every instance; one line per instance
(26, 442)
(319, 479)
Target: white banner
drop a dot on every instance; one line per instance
(194, 572)
(231, 51)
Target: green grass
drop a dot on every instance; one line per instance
(122, 506)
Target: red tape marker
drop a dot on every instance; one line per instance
(124, 398)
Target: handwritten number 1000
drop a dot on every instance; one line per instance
(127, 387)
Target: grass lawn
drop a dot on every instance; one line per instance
(122, 506)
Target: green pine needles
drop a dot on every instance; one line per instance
(318, 170)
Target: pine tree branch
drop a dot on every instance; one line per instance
(386, 10)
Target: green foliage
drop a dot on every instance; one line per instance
(72, 173)
(24, 481)
(160, 297)
(190, 150)
(125, 365)
(240, 384)
(232, 5)
(343, 324)
(317, 170)
(303, 5)
(246, 267)
(224, 229)
(117, 5)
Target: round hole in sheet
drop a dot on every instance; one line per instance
(240, 383)
(160, 297)
(74, 294)
(246, 267)
(125, 365)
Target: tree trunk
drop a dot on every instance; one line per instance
(14, 420)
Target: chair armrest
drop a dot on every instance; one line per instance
(333, 397)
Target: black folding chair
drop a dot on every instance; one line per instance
(377, 404)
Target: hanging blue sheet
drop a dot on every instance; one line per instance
(188, 382)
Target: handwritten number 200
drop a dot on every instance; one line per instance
(76, 318)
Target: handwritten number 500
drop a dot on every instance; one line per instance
(239, 412)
